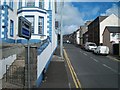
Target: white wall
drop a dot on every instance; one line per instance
(112, 20)
(42, 59)
(54, 35)
(78, 37)
(13, 16)
(4, 62)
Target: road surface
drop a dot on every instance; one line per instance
(93, 71)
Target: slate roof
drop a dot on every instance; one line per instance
(113, 29)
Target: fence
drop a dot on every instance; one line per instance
(15, 75)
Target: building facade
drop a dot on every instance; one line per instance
(96, 28)
(9, 20)
(93, 30)
(111, 38)
(41, 14)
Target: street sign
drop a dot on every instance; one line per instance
(24, 28)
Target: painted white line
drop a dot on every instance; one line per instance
(94, 59)
(85, 54)
(81, 51)
(110, 68)
(112, 58)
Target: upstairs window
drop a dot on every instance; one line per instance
(30, 3)
(20, 3)
(31, 19)
(40, 25)
(41, 4)
(11, 4)
(11, 28)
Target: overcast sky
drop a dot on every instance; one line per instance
(77, 13)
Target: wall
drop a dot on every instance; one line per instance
(78, 37)
(12, 14)
(6, 61)
(106, 40)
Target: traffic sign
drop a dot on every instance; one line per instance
(24, 28)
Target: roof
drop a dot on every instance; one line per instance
(101, 18)
(113, 29)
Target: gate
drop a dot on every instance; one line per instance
(15, 75)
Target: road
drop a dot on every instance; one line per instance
(93, 71)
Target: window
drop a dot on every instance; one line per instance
(118, 35)
(20, 3)
(40, 25)
(41, 4)
(31, 19)
(30, 3)
(11, 28)
(11, 4)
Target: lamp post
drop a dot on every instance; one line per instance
(119, 49)
(61, 27)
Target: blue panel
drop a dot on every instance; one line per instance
(50, 24)
(8, 40)
(5, 20)
(24, 41)
(25, 32)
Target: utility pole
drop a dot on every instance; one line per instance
(119, 49)
(61, 27)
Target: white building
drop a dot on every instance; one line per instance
(9, 20)
(41, 13)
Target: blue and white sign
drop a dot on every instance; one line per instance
(24, 28)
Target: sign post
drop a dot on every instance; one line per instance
(24, 31)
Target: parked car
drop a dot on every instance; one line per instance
(104, 50)
(90, 46)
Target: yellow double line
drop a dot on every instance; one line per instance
(74, 76)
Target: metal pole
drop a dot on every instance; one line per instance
(28, 64)
(61, 35)
(119, 49)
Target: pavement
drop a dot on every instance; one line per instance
(56, 75)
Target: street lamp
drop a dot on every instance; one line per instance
(61, 27)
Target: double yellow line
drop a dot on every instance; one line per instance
(74, 76)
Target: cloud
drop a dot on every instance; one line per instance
(71, 18)
(113, 10)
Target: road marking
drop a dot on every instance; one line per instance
(85, 54)
(114, 59)
(81, 51)
(94, 59)
(110, 68)
(74, 76)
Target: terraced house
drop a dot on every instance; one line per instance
(41, 14)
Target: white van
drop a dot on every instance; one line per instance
(90, 46)
(104, 50)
